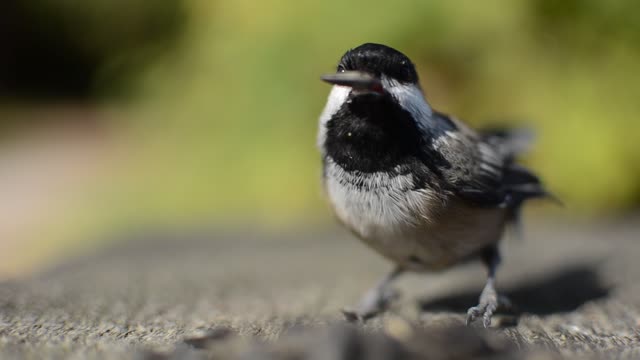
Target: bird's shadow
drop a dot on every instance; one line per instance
(559, 292)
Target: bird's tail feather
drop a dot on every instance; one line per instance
(510, 142)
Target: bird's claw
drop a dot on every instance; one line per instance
(485, 309)
(371, 306)
(358, 316)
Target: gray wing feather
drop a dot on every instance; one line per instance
(482, 168)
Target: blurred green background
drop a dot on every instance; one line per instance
(119, 114)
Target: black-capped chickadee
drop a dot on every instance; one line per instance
(419, 187)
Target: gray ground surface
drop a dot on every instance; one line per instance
(255, 296)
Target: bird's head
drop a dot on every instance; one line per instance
(375, 87)
(373, 69)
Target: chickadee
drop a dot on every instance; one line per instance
(419, 187)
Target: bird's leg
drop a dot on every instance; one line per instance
(489, 298)
(376, 300)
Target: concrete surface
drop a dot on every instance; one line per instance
(191, 294)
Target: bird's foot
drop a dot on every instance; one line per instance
(374, 303)
(488, 304)
(353, 316)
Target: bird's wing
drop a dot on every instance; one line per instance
(480, 168)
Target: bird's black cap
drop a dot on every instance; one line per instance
(378, 59)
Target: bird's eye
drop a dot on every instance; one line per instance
(341, 68)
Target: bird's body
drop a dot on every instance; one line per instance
(413, 227)
(421, 188)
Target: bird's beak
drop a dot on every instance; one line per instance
(359, 81)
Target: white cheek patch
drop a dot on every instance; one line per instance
(337, 97)
(411, 98)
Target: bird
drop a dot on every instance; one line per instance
(419, 187)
